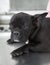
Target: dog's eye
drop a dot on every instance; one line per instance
(25, 27)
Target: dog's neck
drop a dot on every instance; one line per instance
(36, 30)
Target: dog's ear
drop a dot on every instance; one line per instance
(34, 19)
(38, 16)
(43, 15)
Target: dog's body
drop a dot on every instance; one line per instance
(35, 29)
(43, 36)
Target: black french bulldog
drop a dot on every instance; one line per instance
(34, 31)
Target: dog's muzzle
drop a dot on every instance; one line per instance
(16, 35)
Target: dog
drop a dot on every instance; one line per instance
(30, 30)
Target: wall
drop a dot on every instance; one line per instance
(28, 4)
(4, 6)
(16, 5)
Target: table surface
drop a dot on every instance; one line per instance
(26, 59)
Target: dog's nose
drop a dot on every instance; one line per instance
(17, 33)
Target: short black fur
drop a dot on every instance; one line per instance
(35, 28)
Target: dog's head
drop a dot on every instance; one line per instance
(21, 26)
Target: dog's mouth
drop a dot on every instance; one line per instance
(18, 41)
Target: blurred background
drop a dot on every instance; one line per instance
(9, 7)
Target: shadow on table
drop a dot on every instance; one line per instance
(33, 59)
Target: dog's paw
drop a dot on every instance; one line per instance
(17, 52)
(9, 41)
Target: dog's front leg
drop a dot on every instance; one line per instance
(20, 51)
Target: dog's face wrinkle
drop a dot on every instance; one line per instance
(19, 19)
(20, 24)
(24, 34)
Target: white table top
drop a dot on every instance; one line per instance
(29, 59)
